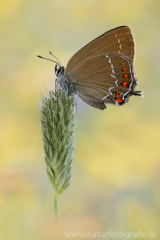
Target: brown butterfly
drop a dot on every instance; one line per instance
(103, 71)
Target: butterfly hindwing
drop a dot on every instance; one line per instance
(106, 78)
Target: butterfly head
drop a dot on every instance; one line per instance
(59, 70)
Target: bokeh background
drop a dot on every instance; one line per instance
(116, 177)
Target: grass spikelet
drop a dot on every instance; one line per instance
(58, 129)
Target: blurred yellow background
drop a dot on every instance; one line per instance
(116, 179)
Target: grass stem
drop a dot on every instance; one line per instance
(56, 203)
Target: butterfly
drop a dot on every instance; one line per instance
(103, 71)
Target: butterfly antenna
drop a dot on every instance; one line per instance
(48, 59)
(55, 57)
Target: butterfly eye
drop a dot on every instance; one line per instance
(56, 70)
(59, 71)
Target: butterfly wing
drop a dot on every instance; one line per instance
(106, 78)
(119, 40)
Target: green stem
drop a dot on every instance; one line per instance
(56, 203)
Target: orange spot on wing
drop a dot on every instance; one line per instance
(124, 69)
(125, 84)
(125, 76)
(119, 100)
(122, 64)
(117, 94)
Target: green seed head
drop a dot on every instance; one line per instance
(58, 129)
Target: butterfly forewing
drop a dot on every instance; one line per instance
(119, 40)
